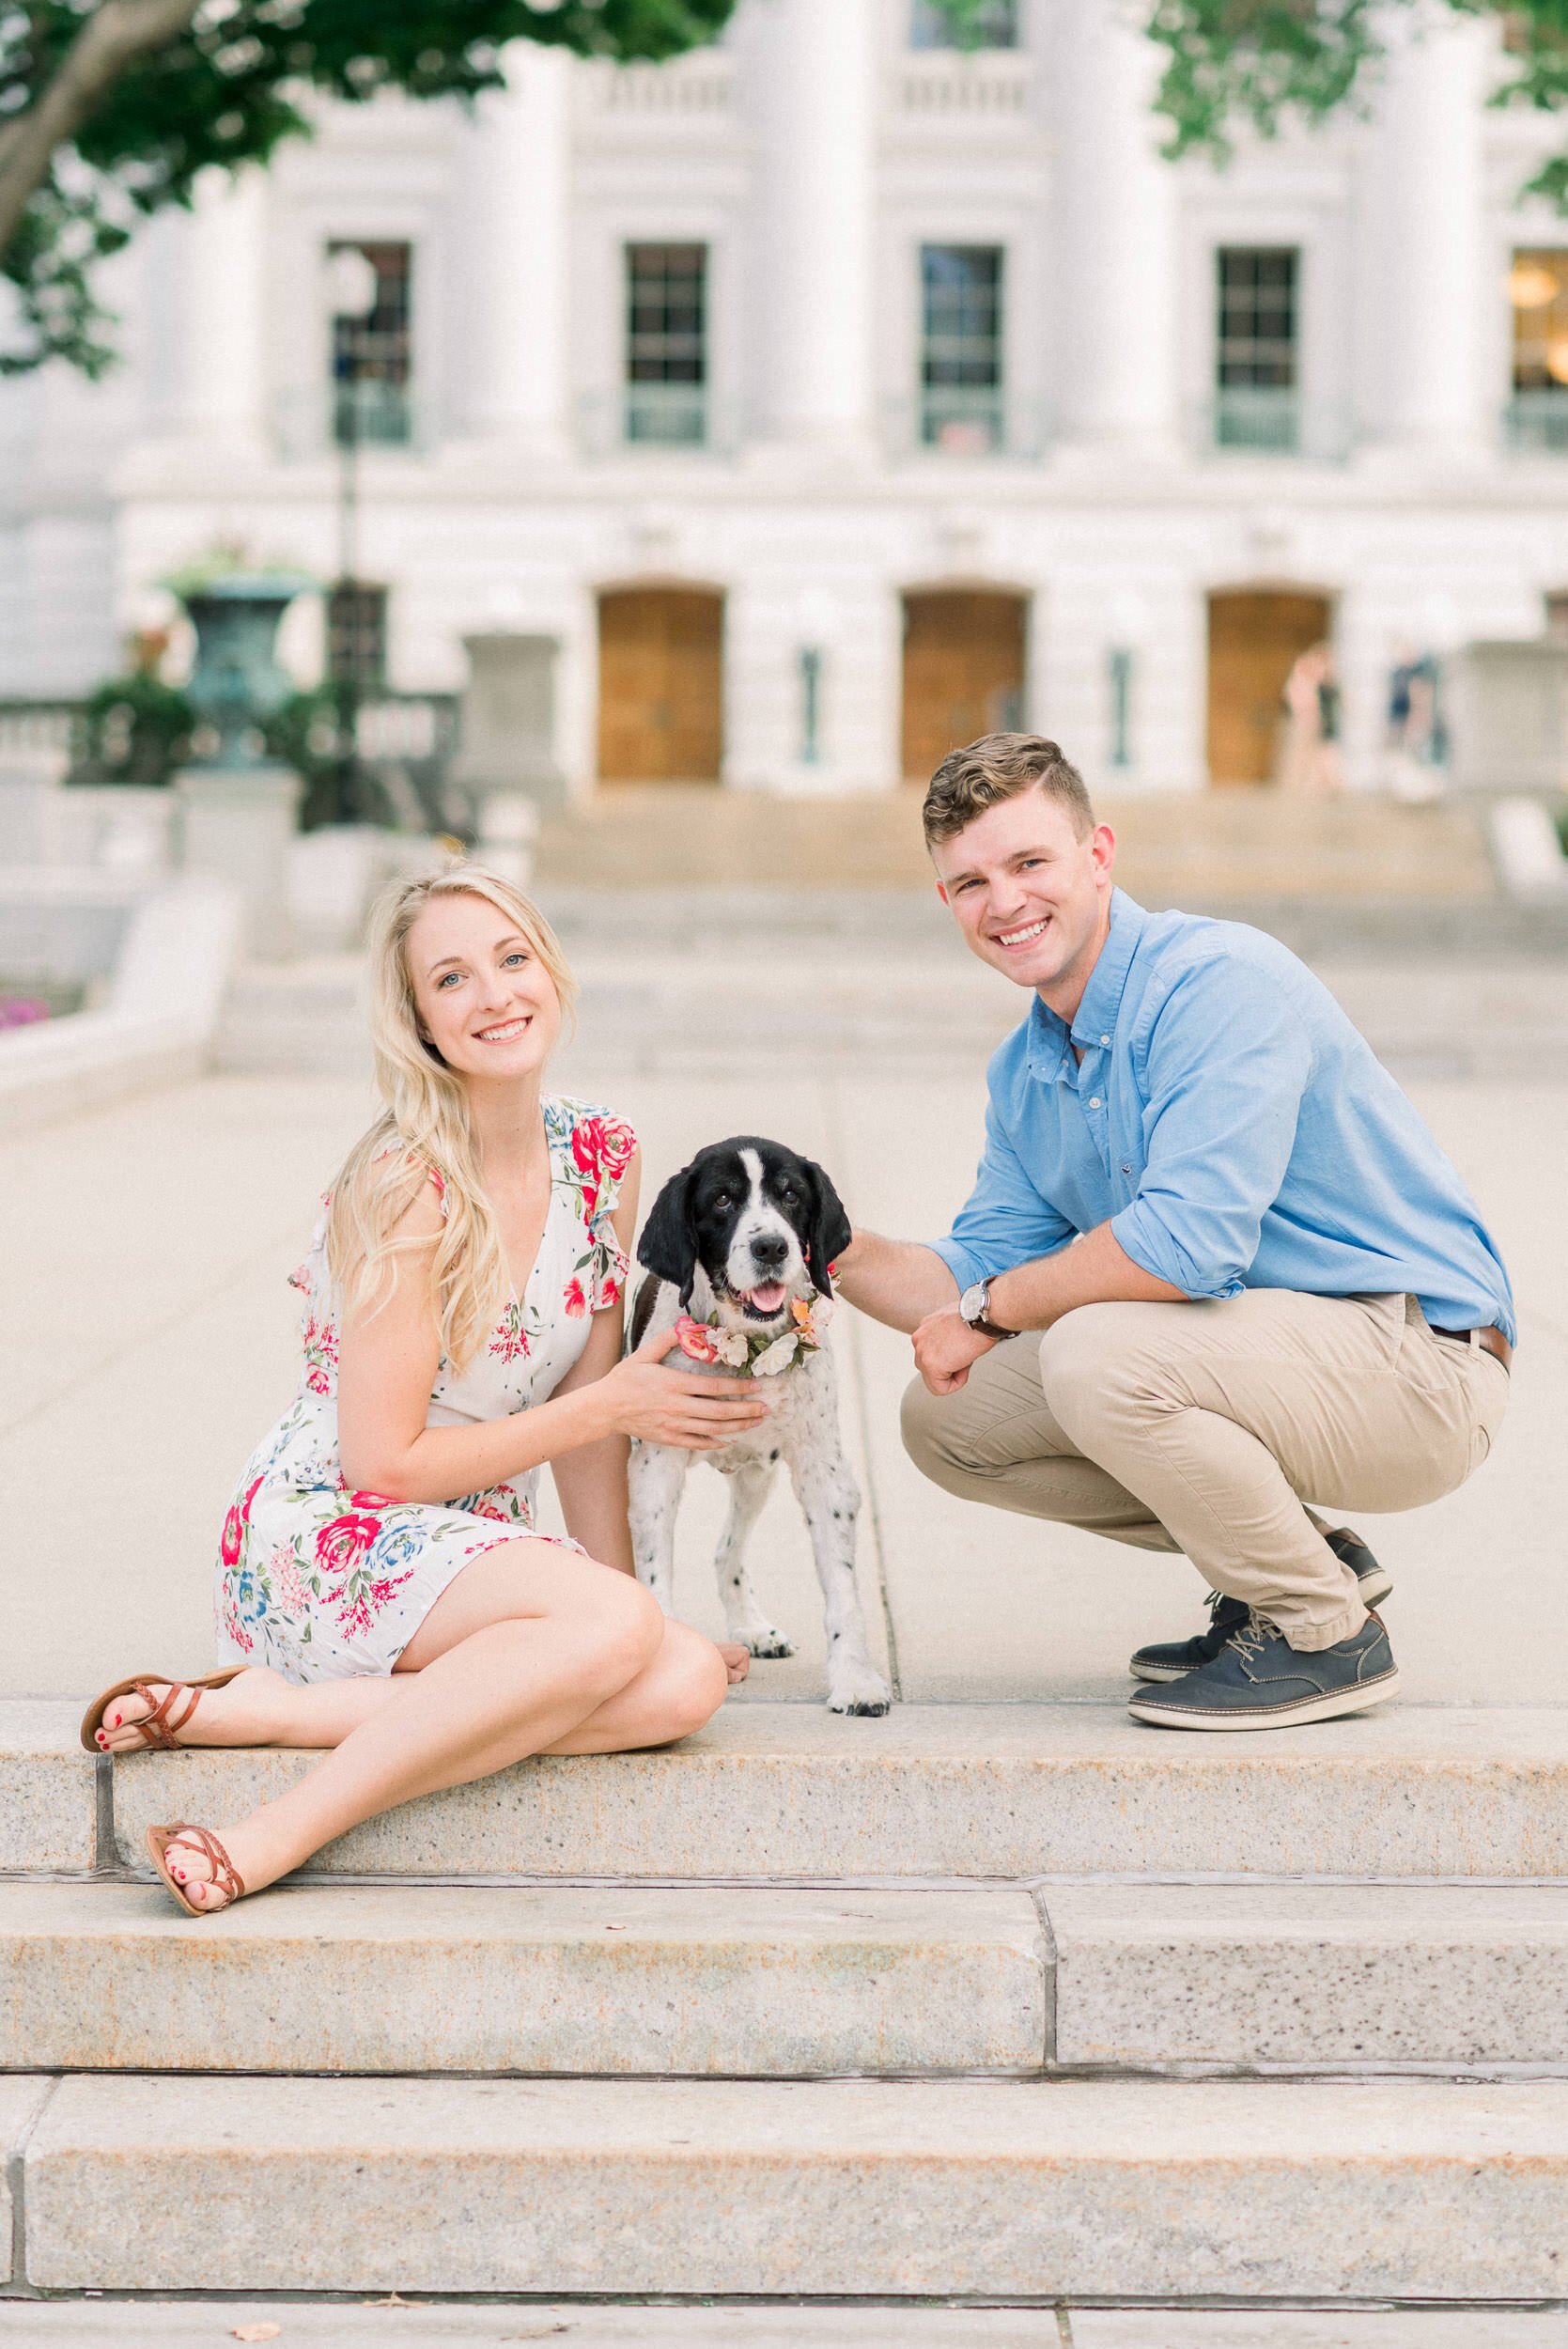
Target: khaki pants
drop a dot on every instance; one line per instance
(1207, 1427)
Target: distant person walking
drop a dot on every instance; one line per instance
(1310, 762)
(382, 1589)
(1214, 1268)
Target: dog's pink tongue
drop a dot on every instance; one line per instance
(768, 1297)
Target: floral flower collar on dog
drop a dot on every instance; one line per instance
(760, 1357)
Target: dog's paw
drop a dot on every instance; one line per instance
(763, 1640)
(863, 1692)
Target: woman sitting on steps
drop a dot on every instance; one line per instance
(381, 1589)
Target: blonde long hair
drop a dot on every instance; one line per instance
(425, 1130)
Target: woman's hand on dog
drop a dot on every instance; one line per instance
(699, 1410)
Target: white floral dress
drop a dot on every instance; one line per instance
(322, 1583)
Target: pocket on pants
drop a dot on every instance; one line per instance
(1491, 1387)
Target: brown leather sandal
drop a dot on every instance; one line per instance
(157, 1729)
(225, 1877)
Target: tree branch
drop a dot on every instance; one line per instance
(114, 37)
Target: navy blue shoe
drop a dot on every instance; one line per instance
(1259, 1681)
(1171, 1659)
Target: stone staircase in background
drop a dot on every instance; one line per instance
(1015, 2002)
(663, 995)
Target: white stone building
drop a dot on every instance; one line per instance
(832, 394)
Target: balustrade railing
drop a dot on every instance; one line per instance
(1267, 420)
(683, 419)
(946, 86)
(700, 84)
(966, 422)
(1536, 423)
(373, 416)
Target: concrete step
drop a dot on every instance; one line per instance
(785, 1983)
(1005, 1790)
(788, 999)
(777, 999)
(1312, 1977)
(162, 2324)
(1419, 2190)
(409, 1977)
(48, 1788)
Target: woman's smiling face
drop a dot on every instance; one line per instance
(484, 999)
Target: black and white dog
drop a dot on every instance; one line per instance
(738, 1247)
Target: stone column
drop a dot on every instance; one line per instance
(810, 75)
(213, 313)
(1426, 216)
(1117, 271)
(513, 226)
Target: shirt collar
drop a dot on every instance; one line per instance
(1102, 997)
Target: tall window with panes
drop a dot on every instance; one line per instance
(994, 24)
(1538, 291)
(961, 380)
(666, 344)
(356, 636)
(372, 356)
(1256, 388)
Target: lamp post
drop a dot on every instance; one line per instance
(353, 287)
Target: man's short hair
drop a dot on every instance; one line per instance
(998, 767)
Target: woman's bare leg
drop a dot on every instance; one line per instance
(260, 1708)
(524, 1647)
(680, 1690)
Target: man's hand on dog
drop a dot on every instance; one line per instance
(702, 1410)
(945, 1346)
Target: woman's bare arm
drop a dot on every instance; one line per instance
(388, 1359)
(590, 1482)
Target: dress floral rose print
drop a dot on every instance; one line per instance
(322, 1583)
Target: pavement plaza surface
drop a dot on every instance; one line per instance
(152, 1339)
(150, 2325)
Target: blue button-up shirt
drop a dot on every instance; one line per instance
(1233, 1128)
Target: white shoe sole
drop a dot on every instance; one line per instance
(1326, 1709)
(1372, 1590)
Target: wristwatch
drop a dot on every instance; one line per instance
(973, 1307)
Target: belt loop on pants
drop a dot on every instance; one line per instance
(1490, 1341)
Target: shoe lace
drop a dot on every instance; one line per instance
(1251, 1638)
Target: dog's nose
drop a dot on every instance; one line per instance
(769, 1254)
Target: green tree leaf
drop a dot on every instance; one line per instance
(226, 90)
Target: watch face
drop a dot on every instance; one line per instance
(973, 1303)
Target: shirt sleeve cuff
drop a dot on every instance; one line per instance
(965, 1266)
(1142, 1236)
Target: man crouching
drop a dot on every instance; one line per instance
(1214, 1267)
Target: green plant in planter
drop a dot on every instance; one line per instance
(138, 731)
(307, 734)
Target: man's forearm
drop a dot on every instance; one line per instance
(1093, 1271)
(896, 1281)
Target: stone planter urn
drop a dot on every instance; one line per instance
(237, 814)
(238, 683)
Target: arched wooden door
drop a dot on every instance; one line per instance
(1256, 635)
(963, 671)
(660, 685)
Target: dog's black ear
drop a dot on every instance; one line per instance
(830, 1226)
(669, 1243)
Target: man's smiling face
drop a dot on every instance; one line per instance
(1032, 898)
